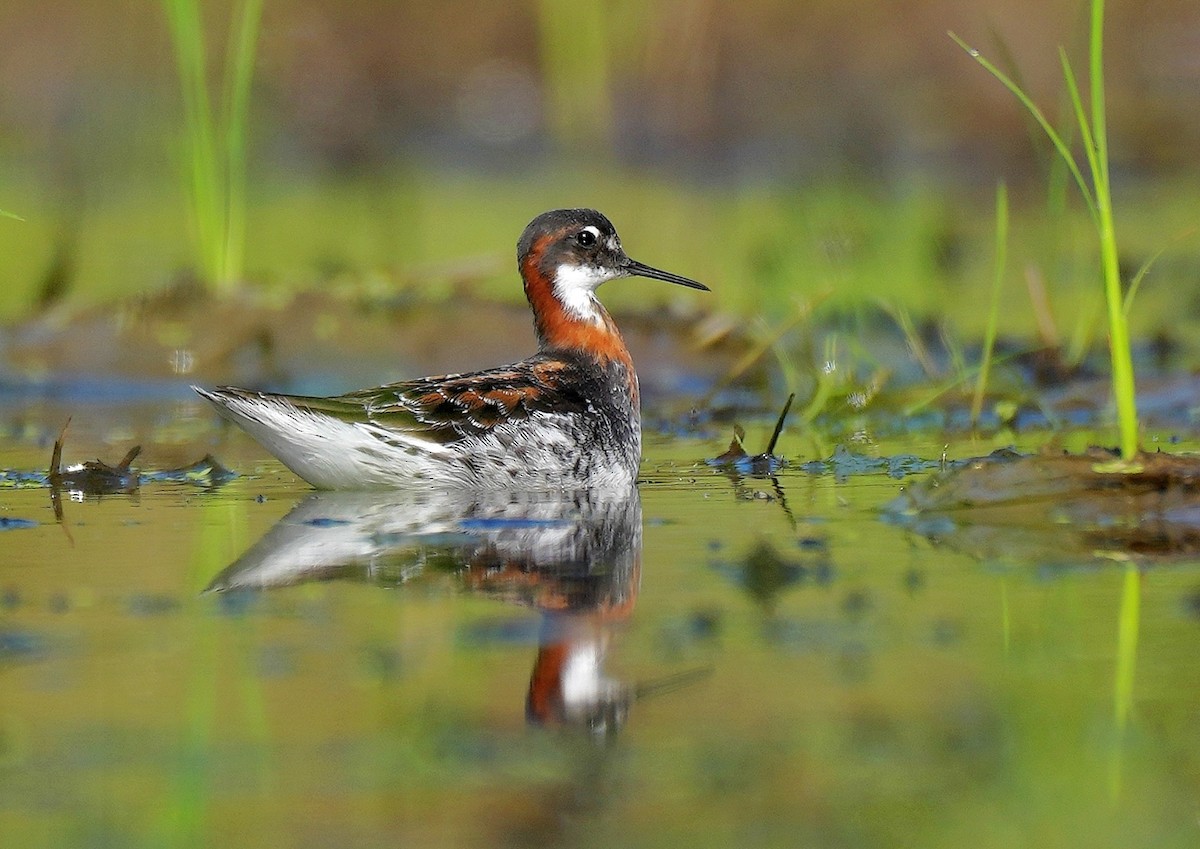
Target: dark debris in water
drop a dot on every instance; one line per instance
(1006, 477)
(843, 464)
(207, 471)
(93, 477)
(1057, 508)
(96, 477)
(737, 459)
(737, 463)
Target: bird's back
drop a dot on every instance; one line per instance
(553, 421)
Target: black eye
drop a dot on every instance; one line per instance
(586, 238)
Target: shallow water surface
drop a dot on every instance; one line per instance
(713, 660)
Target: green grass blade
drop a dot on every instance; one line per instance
(216, 138)
(187, 35)
(239, 73)
(6, 214)
(1036, 112)
(912, 339)
(1136, 282)
(1081, 119)
(1124, 391)
(1096, 72)
(1099, 201)
(989, 338)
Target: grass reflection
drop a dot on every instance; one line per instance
(186, 809)
(1128, 627)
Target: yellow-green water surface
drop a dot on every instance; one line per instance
(782, 669)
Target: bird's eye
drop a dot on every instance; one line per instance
(586, 238)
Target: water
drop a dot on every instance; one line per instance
(753, 664)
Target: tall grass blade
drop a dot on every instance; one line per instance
(240, 67)
(989, 338)
(1051, 133)
(187, 36)
(1099, 200)
(912, 338)
(1136, 282)
(6, 214)
(216, 137)
(1096, 75)
(1081, 119)
(1121, 354)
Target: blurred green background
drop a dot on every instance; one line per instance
(774, 150)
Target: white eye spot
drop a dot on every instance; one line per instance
(587, 236)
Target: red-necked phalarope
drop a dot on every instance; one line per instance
(565, 418)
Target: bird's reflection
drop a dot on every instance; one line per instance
(575, 557)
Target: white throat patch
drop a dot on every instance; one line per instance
(575, 286)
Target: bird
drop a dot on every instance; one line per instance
(566, 418)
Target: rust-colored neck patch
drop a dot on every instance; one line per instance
(560, 330)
